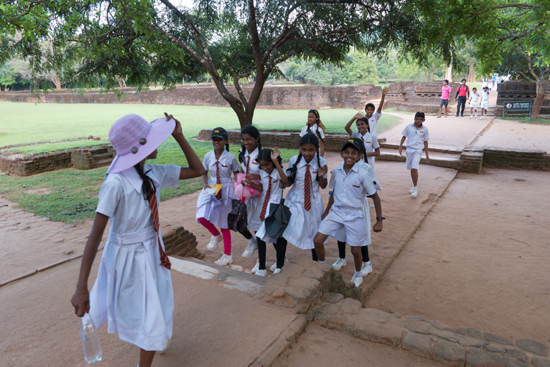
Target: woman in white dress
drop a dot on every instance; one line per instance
(133, 290)
(307, 172)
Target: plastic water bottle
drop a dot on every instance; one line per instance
(90, 340)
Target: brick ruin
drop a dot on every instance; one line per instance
(416, 96)
(273, 97)
(521, 92)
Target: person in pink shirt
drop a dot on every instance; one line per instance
(445, 92)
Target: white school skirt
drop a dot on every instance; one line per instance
(303, 225)
(132, 292)
(254, 209)
(213, 210)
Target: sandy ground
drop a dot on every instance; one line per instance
(450, 132)
(480, 258)
(516, 135)
(323, 347)
(213, 325)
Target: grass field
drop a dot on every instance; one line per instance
(528, 120)
(71, 195)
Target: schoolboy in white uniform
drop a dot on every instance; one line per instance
(484, 102)
(418, 136)
(474, 99)
(350, 185)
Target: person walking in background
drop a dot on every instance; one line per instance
(445, 93)
(462, 94)
(484, 103)
(417, 137)
(473, 101)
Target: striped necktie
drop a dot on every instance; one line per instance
(164, 260)
(218, 181)
(266, 201)
(247, 164)
(307, 189)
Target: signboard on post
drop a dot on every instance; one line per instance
(516, 107)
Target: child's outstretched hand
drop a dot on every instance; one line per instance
(322, 171)
(358, 115)
(385, 91)
(177, 130)
(275, 153)
(81, 302)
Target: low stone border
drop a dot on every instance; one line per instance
(427, 338)
(282, 139)
(180, 242)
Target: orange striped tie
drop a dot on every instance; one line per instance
(307, 189)
(266, 201)
(164, 260)
(363, 140)
(218, 181)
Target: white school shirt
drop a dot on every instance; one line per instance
(416, 137)
(484, 96)
(373, 122)
(370, 141)
(313, 130)
(227, 165)
(350, 189)
(253, 166)
(475, 97)
(298, 187)
(276, 192)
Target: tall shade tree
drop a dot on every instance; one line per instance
(146, 41)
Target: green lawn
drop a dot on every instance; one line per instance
(71, 195)
(527, 120)
(24, 123)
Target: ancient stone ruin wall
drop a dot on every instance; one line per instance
(180, 242)
(293, 97)
(415, 96)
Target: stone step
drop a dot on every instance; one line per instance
(99, 150)
(433, 148)
(446, 162)
(102, 156)
(104, 162)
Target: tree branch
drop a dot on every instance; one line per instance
(118, 23)
(237, 84)
(255, 39)
(32, 4)
(526, 77)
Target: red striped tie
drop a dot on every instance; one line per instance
(218, 181)
(266, 201)
(247, 164)
(307, 189)
(363, 140)
(164, 260)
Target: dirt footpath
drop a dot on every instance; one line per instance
(481, 258)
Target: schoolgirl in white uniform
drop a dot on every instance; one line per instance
(484, 102)
(474, 100)
(340, 236)
(248, 154)
(273, 179)
(307, 172)
(350, 184)
(315, 126)
(212, 210)
(133, 290)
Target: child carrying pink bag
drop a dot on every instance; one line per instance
(245, 191)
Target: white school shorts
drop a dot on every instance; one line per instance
(485, 105)
(474, 105)
(356, 232)
(413, 158)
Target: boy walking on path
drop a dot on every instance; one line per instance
(474, 100)
(445, 92)
(462, 93)
(484, 103)
(418, 136)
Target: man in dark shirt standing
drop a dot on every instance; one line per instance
(463, 93)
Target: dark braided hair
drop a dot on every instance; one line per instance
(309, 138)
(317, 122)
(366, 120)
(363, 150)
(265, 154)
(253, 132)
(146, 185)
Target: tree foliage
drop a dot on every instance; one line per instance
(143, 41)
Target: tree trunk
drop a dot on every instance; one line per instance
(57, 81)
(449, 73)
(119, 83)
(537, 104)
(472, 73)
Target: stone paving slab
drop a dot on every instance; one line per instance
(515, 135)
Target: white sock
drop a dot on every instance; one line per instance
(358, 274)
(322, 262)
(415, 188)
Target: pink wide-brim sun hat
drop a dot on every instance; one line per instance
(134, 139)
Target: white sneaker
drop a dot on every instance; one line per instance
(445, 116)
(339, 264)
(261, 273)
(251, 247)
(414, 194)
(366, 268)
(165, 348)
(274, 266)
(214, 242)
(471, 116)
(225, 260)
(277, 271)
(411, 190)
(357, 280)
(256, 267)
